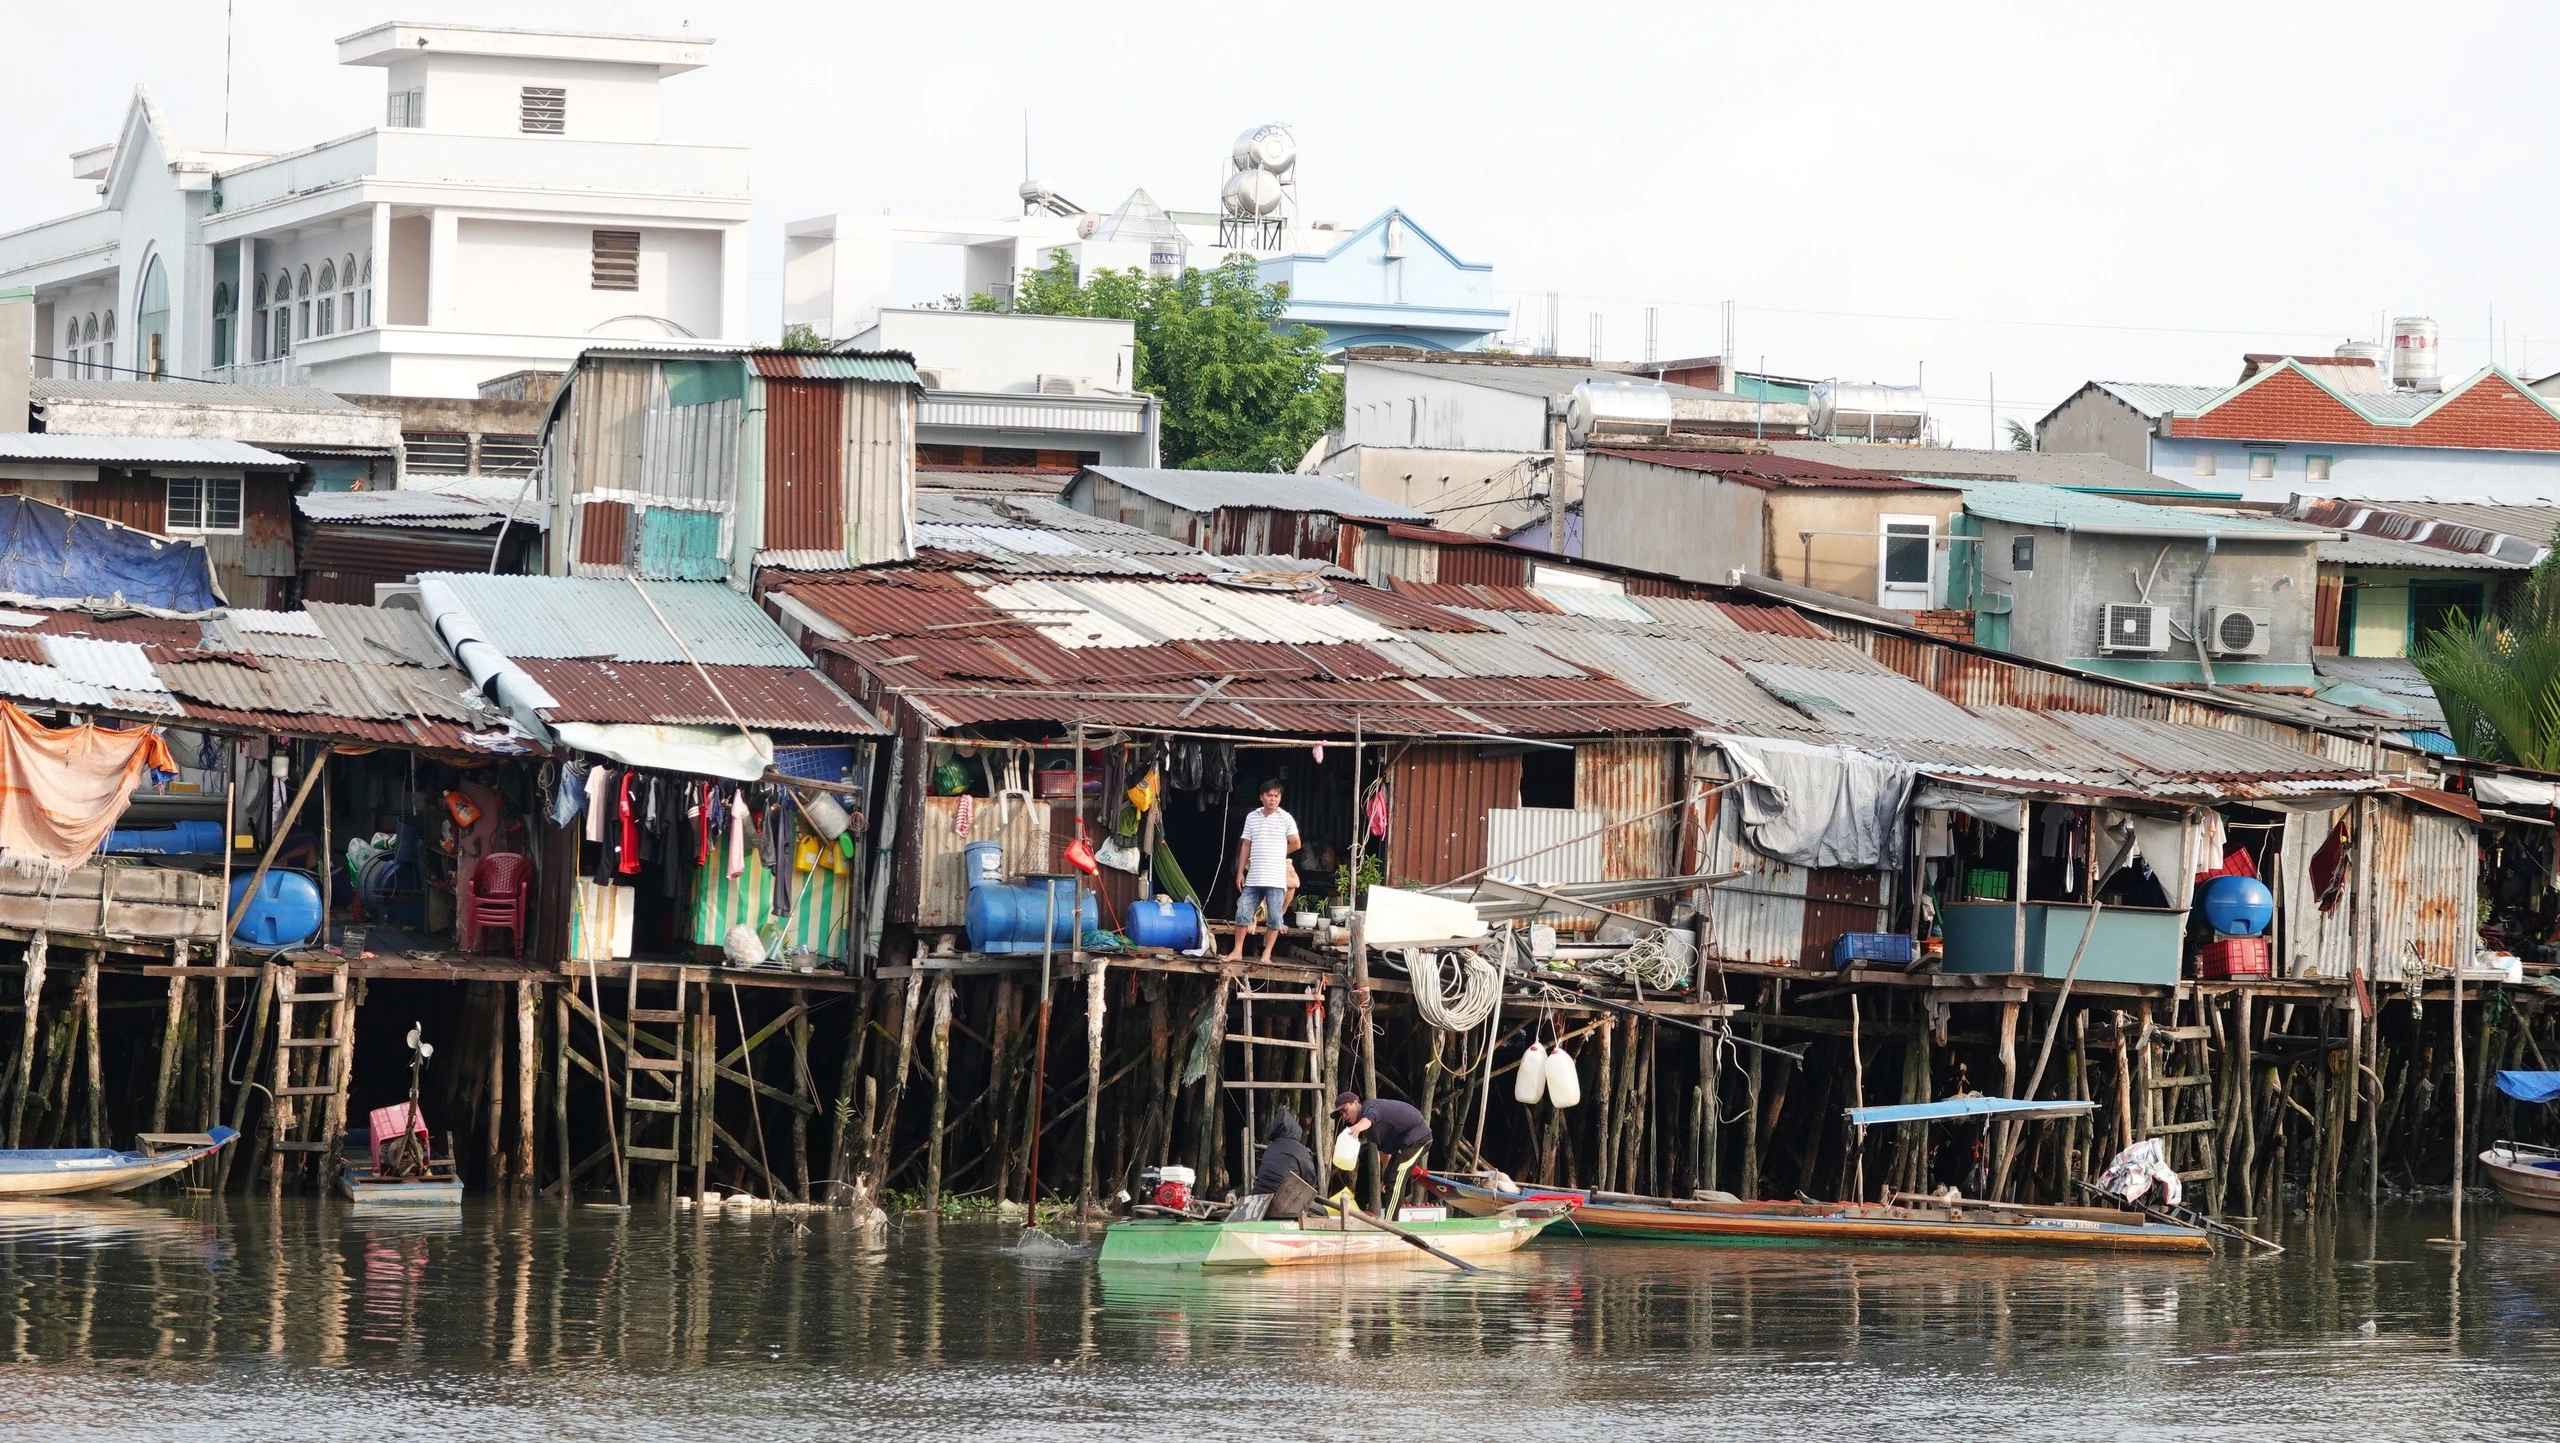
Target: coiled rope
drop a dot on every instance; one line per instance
(1454, 990)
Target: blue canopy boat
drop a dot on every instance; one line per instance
(59, 1171)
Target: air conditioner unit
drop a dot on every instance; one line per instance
(939, 378)
(1066, 385)
(2131, 626)
(2237, 630)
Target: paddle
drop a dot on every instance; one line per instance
(1461, 1264)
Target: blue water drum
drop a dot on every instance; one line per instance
(982, 863)
(176, 839)
(2237, 906)
(1164, 923)
(1008, 919)
(285, 911)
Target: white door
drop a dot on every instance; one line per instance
(1906, 553)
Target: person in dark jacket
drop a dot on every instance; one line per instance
(1282, 1154)
(1397, 1130)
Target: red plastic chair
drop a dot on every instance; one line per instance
(500, 897)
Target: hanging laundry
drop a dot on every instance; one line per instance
(62, 790)
(568, 793)
(964, 816)
(737, 833)
(1378, 812)
(1937, 834)
(626, 817)
(599, 777)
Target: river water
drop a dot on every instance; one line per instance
(201, 1320)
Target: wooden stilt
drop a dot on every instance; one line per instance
(804, 1086)
(1095, 975)
(30, 1012)
(257, 1022)
(842, 1146)
(95, 1051)
(941, 1043)
(170, 1052)
(2245, 1026)
(560, 1086)
(528, 1068)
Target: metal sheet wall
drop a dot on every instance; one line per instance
(2426, 869)
(1545, 845)
(942, 898)
(613, 401)
(1636, 777)
(2316, 943)
(1437, 798)
(804, 456)
(689, 454)
(1383, 556)
(880, 471)
(1782, 914)
(1483, 566)
(139, 501)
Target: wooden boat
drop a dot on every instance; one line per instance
(2526, 1177)
(62, 1171)
(1911, 1223)
(1182, 1243)
(362, 1184)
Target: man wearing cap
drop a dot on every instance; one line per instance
(1397, 1130)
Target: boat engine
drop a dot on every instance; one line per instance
(1168, 1186)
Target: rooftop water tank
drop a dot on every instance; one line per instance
(2373, 351)
(1254, 193)
(1599, 410)
(2416, 361)
(1866, 411)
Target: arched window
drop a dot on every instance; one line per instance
(368, 289)
(302, 306)
(328, 309)
(328, 275)
(224, 314)
(281, 341)
(92, 336)
(151, 320)
(107, 352)
(258, 323)
(347, 296)
(89, 347)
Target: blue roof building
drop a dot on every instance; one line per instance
(1388, 283)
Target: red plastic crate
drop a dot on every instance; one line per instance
(2227, 959)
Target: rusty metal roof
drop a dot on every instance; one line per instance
(782, 698)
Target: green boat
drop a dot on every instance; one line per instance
(1182, 1243)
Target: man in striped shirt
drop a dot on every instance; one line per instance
(1262, 870)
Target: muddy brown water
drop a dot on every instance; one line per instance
(196, 1320)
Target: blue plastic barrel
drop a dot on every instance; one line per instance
(1008, 919)
(1165, 924)
(177, 838)
(982, 863)
(2237, 906)
(285, 912)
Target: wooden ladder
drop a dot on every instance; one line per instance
(310, 1071)
(1247, 1038)
(2177, 1092)
(653, 1074)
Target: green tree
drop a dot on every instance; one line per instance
(2020, 438)
(801, 336)
(1241, 391)
(2497, 675)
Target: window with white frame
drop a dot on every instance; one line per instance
(2205, 464)
(408, 109)
(543, 110)
(347, 294)
(258, 323)
(107, 352)
(204, 504)
(2262, 465)
(368, 290)
(2315, 468)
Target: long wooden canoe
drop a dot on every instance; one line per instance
(1174, 1243)
(62, 1171)
(2526, 1179)
(1963, 1223)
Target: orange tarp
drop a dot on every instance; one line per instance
(62, 790)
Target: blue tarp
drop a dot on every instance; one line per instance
(49, 552)
(2009, 1107)
(2530, 1086)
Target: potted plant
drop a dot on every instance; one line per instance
(1348, 889)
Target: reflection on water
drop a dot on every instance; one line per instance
(307, 1319)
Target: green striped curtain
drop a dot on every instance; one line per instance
(819, 909)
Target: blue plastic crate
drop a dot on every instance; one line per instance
(817, 764)
(1891, 948)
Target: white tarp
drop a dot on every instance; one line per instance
(1820, 806)
(1395, 917)
(2500, 791)
(701, 751)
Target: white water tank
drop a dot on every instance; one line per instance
(2373, 351)
(1252, 193)
(2416, 345)
(1266, 148)
(1599, 410)
(1865, 411)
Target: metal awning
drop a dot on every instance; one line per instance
(2016, 1109)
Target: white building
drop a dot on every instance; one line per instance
(515, 205)
(1005, 391)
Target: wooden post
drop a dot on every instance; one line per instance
(2461, 1097)
(705, 1053)
(840, 1147)
(805, 1086)
(89, 1013)
(876, 1165)
(2245, 1047)
(1604, 1082)
(1095, 976)
(560, 1084)
(942, 990)
(1360, 1018)
(497, 1101)
(258, 1010)
(1709, 1106)
(528, 1067)
(169, 1046)
(1858, 1098)
(30, 995)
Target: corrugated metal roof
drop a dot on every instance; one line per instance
(1004, 480)
(117, 666)
(136, 450)
(1770, 471)
(401, 508)
(389, 634)
(2022, 503)
(1270, 490)
(1955, 463)
(177, 393)
(373, 691)
(795, 699)
(1144, 613)
(896, 368)
(2155, 399)
(2357, 549)
(602, 619)
(1532, 380)
(1890, 707)
(24, 682)
(226, 632)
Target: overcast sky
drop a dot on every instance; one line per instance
(2044, 193)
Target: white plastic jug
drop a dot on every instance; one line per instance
(1531, 1084)
(1346, 1150)
(1564, 1085)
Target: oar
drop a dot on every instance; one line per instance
(1461, 1264)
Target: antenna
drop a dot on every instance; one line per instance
(1595, 337)
(228, 6)
(1652, 334)
(1026, 142)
